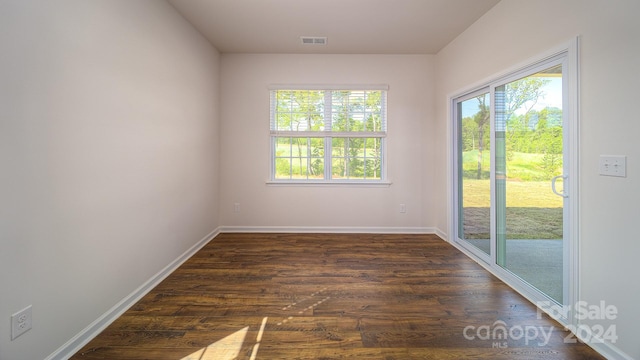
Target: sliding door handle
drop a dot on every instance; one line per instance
(553, 186)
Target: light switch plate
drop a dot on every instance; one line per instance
(613, 165)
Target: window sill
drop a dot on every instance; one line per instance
(355, 183)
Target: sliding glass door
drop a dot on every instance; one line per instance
(510, 168)
(529, 162)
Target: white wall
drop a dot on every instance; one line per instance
(516, 30)
(244, 153)
(108, 157)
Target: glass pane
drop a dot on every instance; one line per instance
(283, 110)
(283, 168)
(283, 147)
(356, 158)
(373, 147)
(316, 147)
(299, 158)
(355, 161)
(338, 168)
(339, 110)
(356, 147)
(338, 147)
(339, 153)
(474, 192)
(300, 110)
(529, 221)
(372, 169)
(356, 111)
(316, 171)
(316, 158)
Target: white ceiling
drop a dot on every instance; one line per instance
(351, 26)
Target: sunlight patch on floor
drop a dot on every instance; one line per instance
(223, 349)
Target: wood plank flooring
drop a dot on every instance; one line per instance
(331, 296)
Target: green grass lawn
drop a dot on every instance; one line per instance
(522, 223)
(533, 210)
(520, 166)
(537, 194)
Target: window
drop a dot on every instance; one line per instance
(328, 135)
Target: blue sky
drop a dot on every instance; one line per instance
(552, 98)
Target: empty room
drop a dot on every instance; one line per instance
(307, 179)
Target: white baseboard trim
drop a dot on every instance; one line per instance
(609, 351)
(443, 235)
(328, 229)
(81, 339)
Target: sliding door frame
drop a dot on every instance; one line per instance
(569, 58)
(456, 193)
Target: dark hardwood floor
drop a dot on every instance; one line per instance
(332, 296)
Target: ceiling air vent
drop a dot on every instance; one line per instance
(313, 40)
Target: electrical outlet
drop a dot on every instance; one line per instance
(613, 165)
(236, 207)
(20, 322)
(403, 208)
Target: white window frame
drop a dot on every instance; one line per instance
(328, 136)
